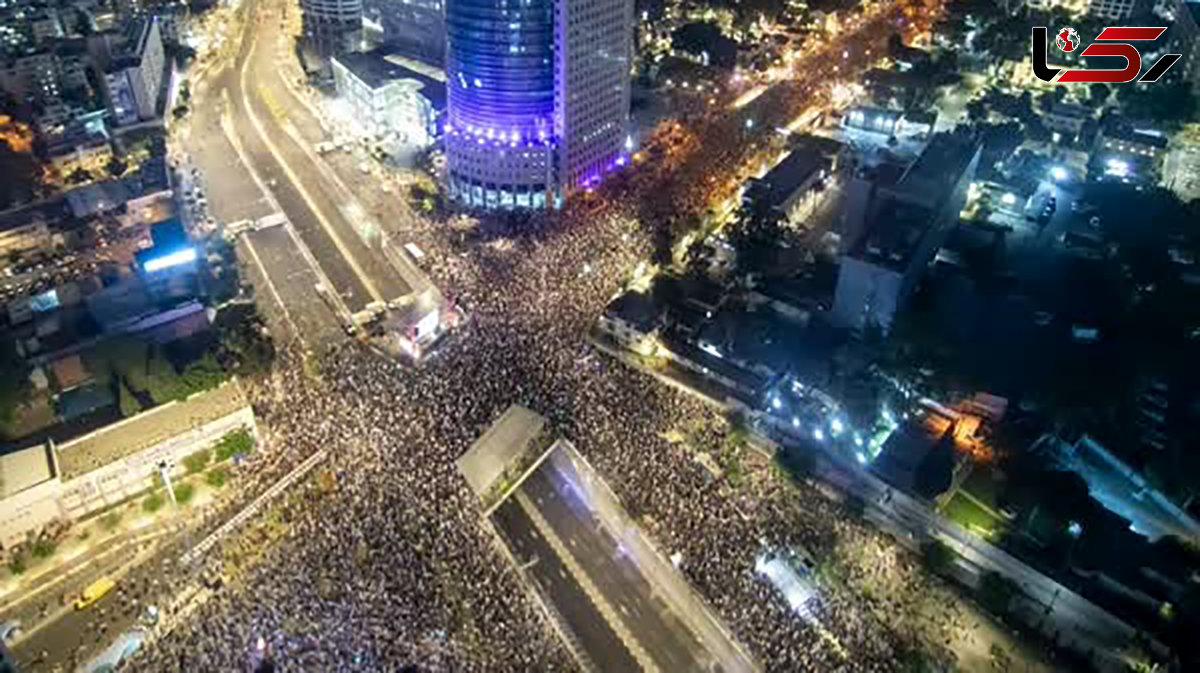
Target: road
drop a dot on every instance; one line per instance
(252, 166)
(605, 579)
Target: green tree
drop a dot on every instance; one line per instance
(1098, 94)
(996, 592)
(936, 556)
(128, 401)
(197, 461)
(153, 502)
(44, 548)
(237, 443)
(14, 385)
(111, 520)
(17, 563)
(217, 477)
(184, 493)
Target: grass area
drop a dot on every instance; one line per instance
(962, 511)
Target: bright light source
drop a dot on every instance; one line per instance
(795, 422)
(858, 440)
(861, 458)
(1009, 198)
(1116, 167)
(818, 435)
(1058, 173)
(775, 403)
(174, 259)
(837, 426)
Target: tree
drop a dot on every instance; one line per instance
(15, 382)
(197, 461)
(116, 167)
(1170, 104)
(128, 401)
(1098, 94)
(152, 503)
(217, 477)
(184, 493)
(936, 556)
(996, 592)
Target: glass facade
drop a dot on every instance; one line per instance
(500, 68)
(500, 89)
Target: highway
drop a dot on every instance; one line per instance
(621, 600)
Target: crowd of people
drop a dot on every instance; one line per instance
(385, 560)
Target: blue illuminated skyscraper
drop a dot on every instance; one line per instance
(538, 97)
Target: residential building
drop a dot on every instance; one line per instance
(1113, 10)
(134, 79)
(538, 111)
(907, 224)
(333, 26)
(388, 97)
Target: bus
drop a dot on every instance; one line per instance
(94, 592)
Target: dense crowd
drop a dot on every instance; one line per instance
(384, 561)
(388, 564)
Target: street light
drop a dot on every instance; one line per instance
(1058, 173)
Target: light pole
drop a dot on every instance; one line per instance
(164, 470)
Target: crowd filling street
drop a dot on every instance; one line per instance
(383, 560)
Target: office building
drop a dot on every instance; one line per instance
(906, 225)
(333, 26)
(538, 98)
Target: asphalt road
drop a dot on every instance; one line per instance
(276, 255)
(334, 233)
(591, 632)
(660, 633)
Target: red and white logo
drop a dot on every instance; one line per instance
(1112, 41)
(1067, 39)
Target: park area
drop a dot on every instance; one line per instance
(974, 505)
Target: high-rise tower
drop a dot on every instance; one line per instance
(538, 98)
(333, 26)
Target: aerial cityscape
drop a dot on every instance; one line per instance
(600, 335)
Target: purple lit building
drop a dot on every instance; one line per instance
(538, 98)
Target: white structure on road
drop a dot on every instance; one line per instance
(43, 484)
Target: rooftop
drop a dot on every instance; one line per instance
(931, 178)
(24, 469)
(787, 176)
(147, 429)
(375, 69)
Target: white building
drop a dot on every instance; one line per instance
(41, 484)
(134, 79)
(387, 97)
